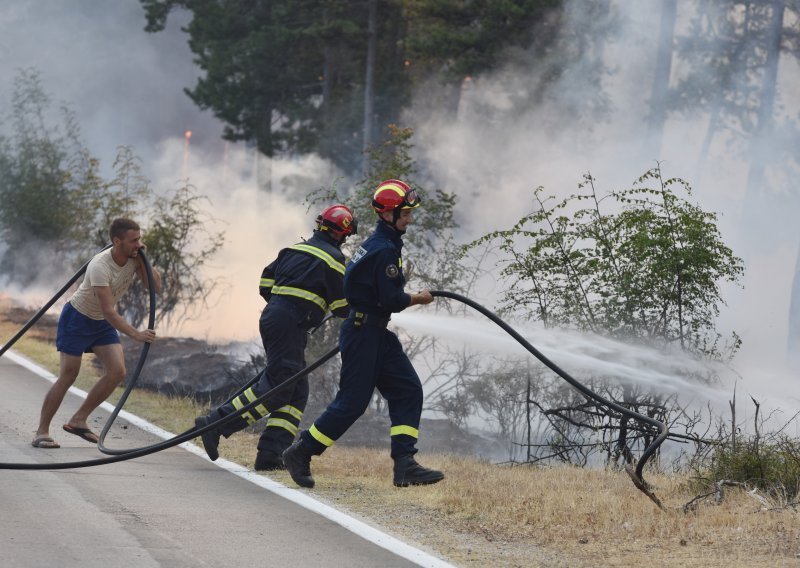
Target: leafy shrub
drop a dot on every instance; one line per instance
(772, 466)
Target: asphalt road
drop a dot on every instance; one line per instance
(172, 509)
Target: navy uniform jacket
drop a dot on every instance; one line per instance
(309, 274)
(374, 280)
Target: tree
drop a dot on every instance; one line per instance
(731, 51)
(451, 40)
(55, 205)
(663, 68)
(48, 185)
(741, 42)
(181, 244)
(764, 118)
(257, 67)
(457, 39)
(648, 272)
(289, 77)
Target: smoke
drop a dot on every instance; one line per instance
(509, 136)
(256, 223)
(124, 84)
(125, 87)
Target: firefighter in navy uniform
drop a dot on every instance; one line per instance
(300, 286)
(372, 356)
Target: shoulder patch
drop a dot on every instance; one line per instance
(392, 271)
(358, 254)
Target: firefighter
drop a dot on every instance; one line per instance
(372, 356)
(300, 287)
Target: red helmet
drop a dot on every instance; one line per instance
(339, 220)
(394, 194)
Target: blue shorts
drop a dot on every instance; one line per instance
(77, 334)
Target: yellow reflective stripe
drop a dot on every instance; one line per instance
(251, 396)
(300, 293)
(320, 437)
(407, 430)
(238, 405)
(266, 283)
(400, 262)
(319, 253)
(259, 408)
(292, 411)
(336, 304)
(281, 423)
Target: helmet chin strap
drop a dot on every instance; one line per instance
(393, 223)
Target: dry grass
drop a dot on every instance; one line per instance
(484, 514)
(561, 516)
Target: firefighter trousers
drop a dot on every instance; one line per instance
(372, 357)
(284, 334)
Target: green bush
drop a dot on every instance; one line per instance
(772, 466)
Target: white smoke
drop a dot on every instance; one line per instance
(126, 87)
(256, 223)
(495, 164)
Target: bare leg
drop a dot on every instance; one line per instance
(67, 373)
(113, 360)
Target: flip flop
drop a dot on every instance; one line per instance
(44, 442)
(84, 433)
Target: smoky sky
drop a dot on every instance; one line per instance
(125, 85)
(495, 164)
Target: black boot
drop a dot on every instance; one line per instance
(297, 460)
(210, 438)
(266, 461)
(408, 472)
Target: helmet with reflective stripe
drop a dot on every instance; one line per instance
(339, 220)
(393, 195)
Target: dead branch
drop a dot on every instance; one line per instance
(719, 494)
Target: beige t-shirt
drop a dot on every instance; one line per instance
(102, 271)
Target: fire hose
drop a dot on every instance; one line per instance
(663, 432)
(122, 455)
(636, 474)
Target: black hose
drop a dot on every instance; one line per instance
(121, 455)
(662, 428)
(151, 323)
(220, 422)
(179, 439)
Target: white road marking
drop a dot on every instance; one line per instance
(301, 498)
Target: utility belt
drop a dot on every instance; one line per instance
(361, 319)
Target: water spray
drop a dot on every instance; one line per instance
(635, 474)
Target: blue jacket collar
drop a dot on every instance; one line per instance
(385, 230)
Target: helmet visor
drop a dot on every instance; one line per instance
(411, 199)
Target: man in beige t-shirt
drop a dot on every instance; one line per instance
(90, 322)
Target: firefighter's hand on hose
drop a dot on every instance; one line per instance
(421, 297)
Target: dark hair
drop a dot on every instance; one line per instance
(121, 226)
